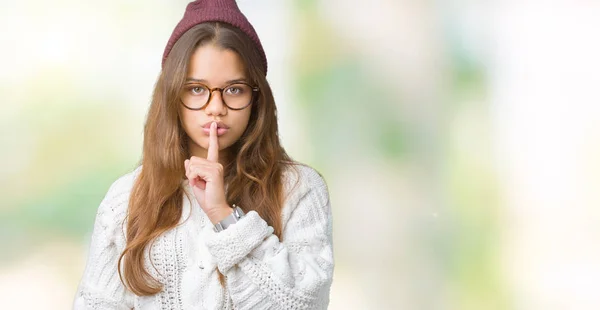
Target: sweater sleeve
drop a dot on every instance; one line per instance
(100, 286)
(266, 273)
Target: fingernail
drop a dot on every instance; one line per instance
(213, 125)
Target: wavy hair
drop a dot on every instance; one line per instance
(253, 175)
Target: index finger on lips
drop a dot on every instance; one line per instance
(213, 144)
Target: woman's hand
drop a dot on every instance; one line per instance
(206, 179)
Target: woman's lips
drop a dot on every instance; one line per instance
(221, 128)
(220, 131)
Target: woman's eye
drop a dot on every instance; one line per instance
(234, 90)
(197, 90)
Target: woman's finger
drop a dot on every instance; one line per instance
(204, 171)
(213, 144)
(196, 176)
(199, 183)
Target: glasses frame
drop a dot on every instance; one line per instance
(255, 90)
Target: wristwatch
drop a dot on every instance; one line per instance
(233, 218)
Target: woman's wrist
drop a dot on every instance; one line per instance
(219, 213)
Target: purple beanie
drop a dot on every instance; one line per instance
(225, 11)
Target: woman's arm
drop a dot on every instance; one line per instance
(100, 286)
(263, 272)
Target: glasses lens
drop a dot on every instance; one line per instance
(237, 96)
(195, 96)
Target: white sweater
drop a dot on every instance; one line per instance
(261, 272)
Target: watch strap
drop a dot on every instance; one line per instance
(233, 218)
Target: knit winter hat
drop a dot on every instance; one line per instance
(226, 11)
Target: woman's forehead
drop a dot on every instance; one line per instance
(215, 65)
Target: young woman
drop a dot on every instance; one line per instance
(217, 216)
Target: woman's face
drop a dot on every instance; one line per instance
(213, 67)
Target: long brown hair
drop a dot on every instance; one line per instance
(254, 175)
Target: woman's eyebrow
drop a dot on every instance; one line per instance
(203, 81)
(188, 80)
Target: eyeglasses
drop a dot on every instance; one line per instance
(236, 96)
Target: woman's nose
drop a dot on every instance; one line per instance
(215, 104)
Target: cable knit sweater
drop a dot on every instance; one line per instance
(261, 271)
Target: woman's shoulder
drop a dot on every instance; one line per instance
(300, 172)
(304, 188)
(301, 178)
(124, 183)
(117, 198)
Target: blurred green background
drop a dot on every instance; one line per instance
(460, 141)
